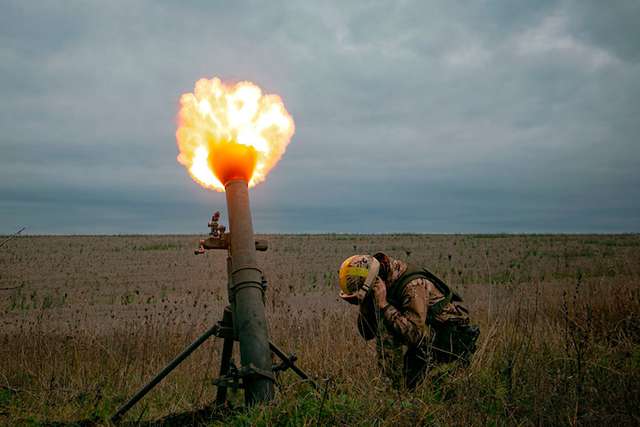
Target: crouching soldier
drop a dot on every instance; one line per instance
(418, 322)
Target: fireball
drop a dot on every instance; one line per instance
(230, 132)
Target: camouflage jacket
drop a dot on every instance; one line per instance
(406, 324)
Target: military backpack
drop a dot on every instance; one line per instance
(450, 340)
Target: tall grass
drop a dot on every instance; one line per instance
(551, 352)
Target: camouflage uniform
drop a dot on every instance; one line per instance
(403, 338)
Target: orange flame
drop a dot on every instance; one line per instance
(231, 131)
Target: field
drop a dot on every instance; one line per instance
(87, 320)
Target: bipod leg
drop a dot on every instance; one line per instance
(288, 362)
(227, 352)
(166, 371)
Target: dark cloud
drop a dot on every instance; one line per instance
(612, 26)
(410, 116)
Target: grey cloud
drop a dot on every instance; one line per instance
(612, 25)
(486, 116)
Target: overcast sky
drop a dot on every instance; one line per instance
(479, 116)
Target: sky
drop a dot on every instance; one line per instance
(422, 117)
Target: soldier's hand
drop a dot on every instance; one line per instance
(380, 293)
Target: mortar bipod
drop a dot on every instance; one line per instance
(231, 376)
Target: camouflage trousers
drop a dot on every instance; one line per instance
(407, 366)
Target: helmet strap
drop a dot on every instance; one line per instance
(374, 269)
(384, 265)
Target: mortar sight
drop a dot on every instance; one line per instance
(216, 229)
(219, 238)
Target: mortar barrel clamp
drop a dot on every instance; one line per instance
(251, 370)
(286, 363)
(236, 287)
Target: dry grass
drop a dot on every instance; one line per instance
(94, 317)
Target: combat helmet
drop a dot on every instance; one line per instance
(357, 274)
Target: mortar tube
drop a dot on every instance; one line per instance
(249, 316)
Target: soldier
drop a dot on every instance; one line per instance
(417, 320)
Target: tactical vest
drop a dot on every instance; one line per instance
(397, 289)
